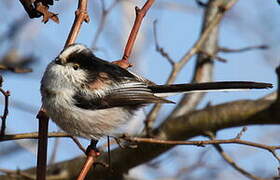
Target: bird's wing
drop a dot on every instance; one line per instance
(116, 95)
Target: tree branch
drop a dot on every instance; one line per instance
(6, 95)
(81, 15)
(140, 14)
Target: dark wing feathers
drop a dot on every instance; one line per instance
(131, 94)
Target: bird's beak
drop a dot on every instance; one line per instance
(58, 61)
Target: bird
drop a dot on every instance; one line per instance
(89, 97)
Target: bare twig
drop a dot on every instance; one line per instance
(212, 56)
(34, 135)
(159, 49)
(235, 140)
(243, 130)
(249, 48)
(229, 160)
(5, 113)
(140, 14)
(104, 13)
(54, 152)
(76, 141)
(15, 69)
(42, 145)
(119, 142)
(81, 16)
(202, 143)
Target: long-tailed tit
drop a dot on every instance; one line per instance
(89, 97)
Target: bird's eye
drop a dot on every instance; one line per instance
(76, 66)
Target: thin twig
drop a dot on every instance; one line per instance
(212, 56)
(202, 143)
(159, 49)
(149, 140)
(243, 130)
(76, 141)
(140, 14)
(104, 14)
(249, 48)
(229, 160)
(54, 152)
(14, 69)
(33, 135)
(81, 15)
(6, 94)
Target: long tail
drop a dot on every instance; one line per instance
(168, 90)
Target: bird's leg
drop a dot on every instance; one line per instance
(92, 148)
